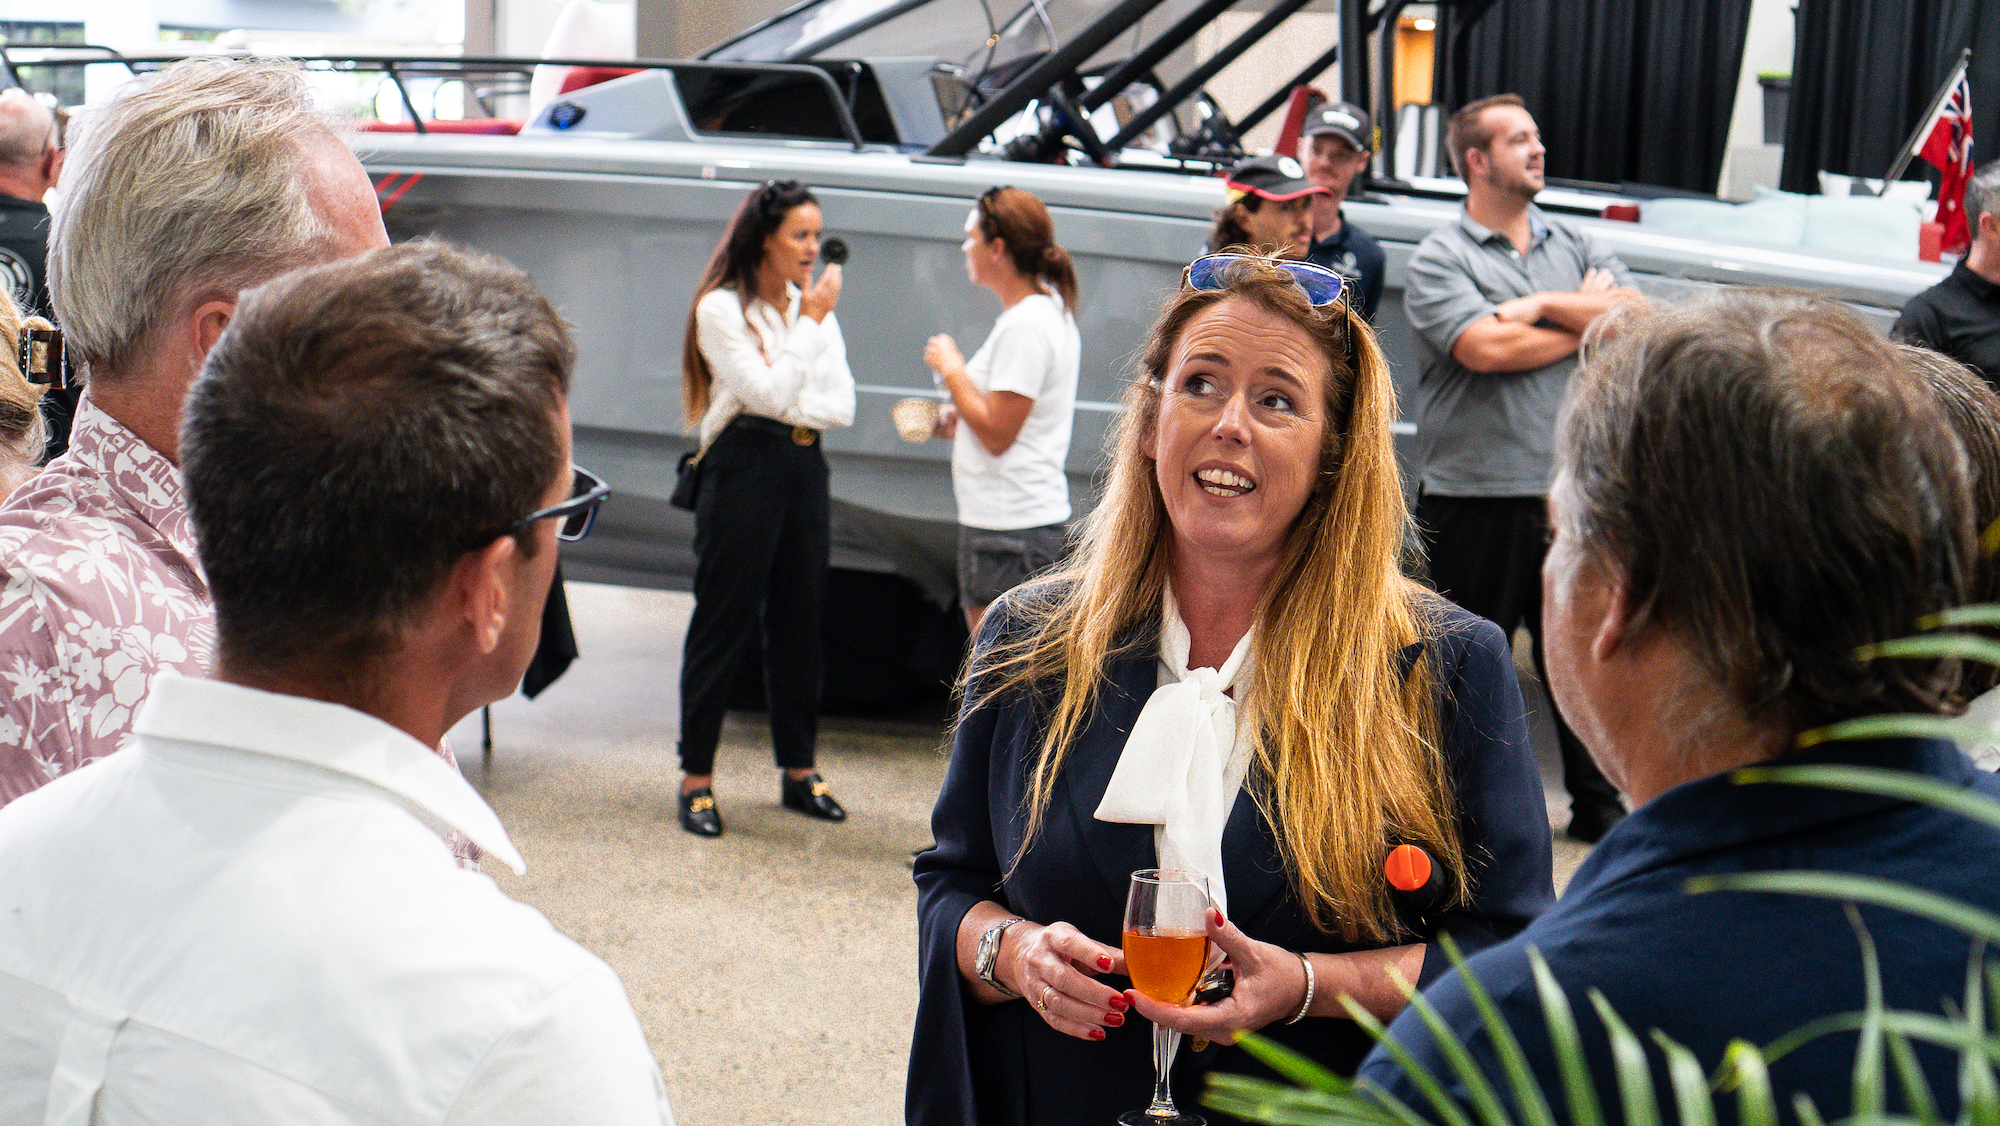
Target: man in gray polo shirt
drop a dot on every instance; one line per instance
(1499, 301)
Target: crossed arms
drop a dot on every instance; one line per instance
(1537, 330)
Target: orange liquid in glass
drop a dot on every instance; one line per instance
(1165, 965)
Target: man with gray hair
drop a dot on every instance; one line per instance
(246, 917)
(182, 191)
(1750, 492)
(1960, 316)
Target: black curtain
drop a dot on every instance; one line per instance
(1625, 91)
(1864, 72)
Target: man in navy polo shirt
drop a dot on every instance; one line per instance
(1335, 143)
(1723, 546)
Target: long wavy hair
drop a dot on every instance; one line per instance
(1347, 759)
(733, 266)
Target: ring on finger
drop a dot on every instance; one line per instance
(1042, 998)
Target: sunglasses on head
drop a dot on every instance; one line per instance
(578, 514)
(1321, 286)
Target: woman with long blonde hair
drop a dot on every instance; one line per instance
(1231, 676)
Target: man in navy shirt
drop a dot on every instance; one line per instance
(1336, 143)
(1723, 545)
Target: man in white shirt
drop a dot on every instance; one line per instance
(248, 916)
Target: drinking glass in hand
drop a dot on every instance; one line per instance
(1166, 948)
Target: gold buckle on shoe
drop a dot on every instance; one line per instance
(820, 788)
(702, 804)
(804, 436)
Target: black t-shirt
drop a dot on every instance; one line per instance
(1355, 254)
(1959, 316)
(24, 242)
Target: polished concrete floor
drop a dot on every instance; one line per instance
(774, 969)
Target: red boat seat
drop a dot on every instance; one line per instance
(581, 76)
(483, 126)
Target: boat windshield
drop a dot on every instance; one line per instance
(980, 35)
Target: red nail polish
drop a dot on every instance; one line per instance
(1218, 918)
(1097, 1034)
(1114, 1019)
(1103, 963)
(1118, 1003)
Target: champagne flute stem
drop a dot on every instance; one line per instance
(1165, 1043)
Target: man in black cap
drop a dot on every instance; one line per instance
(1270, 208)
(1338, 140)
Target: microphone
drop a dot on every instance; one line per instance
(834, 250)
(1417, 884)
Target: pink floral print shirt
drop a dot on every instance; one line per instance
(102, 592)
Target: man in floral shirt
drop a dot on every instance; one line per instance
(186, 189)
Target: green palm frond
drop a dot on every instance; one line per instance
(1903, 725)
(1860, 889)
(1690, 1083)
(1567, 1045)
(1976, 1086)
(1980, 614)
(1929, 1028)
(1888, 783)
(1628, 1061)
(1916, 1088)
(1751, 1078)
(1533, 1108)
(1962, 646)
(1868, 1085)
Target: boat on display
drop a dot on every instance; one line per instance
(899, 114)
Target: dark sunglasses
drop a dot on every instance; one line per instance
(1321, 286)
(578, 514)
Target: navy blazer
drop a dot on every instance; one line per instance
(1706, 969)
(1001, 1065)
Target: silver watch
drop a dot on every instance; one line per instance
(989, 953)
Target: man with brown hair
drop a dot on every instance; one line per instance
(247, 916)
(1499, 300)
(1725, 542)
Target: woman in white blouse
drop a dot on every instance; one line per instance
(1015, 397)
(764, 371)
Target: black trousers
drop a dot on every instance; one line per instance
(1486, 554)
(760, 544)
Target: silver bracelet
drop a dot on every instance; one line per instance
(1311, 984)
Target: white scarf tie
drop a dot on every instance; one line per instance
(1181, 764)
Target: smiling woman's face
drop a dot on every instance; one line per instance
(1237, 444)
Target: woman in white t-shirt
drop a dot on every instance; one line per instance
(1012, 403)
(764, 373)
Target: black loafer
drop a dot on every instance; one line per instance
(810, 796)
(1591, 822)
(698, 813)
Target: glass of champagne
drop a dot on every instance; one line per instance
(1166, 948)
